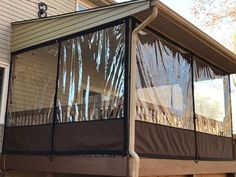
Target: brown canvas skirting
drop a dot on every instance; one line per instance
(163, 141)
(106, 135)
(88, 137)
(214, 147)
(151, 140)
(28, 139)
(168, 142)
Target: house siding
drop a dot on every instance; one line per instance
(18, 10)
(36, 32)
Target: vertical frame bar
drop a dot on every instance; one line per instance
(126, 92)
(128, 31)
(231, 116)
(194, 113)
(55, 100)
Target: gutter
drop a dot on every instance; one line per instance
(135, 158)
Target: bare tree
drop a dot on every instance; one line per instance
(214, 13)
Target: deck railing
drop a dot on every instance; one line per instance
(99, 111)
(72, 113)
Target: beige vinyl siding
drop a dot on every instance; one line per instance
(18, 10)
(36, 32)
(35, 75)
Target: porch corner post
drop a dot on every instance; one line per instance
(134, 165)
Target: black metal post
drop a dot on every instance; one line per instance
(194, 113)
(231, 117)
(128, 28)
(55, 102)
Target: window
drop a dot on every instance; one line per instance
(164, 88)
(91, 80)
(164, 93)
(233, 100)
(212, 100)
(32, 87)
(80, 7)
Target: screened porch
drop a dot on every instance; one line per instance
(69, 90)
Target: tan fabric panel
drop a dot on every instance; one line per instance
(49, 29)
(18, 10)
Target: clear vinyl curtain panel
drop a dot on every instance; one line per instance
(32, 87)
(233, 101)
(164, 94)
(212, 100)
(91, 79)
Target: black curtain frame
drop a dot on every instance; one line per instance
(129, 27)
(194, 114)
(126, 21)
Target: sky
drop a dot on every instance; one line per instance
(183, 8)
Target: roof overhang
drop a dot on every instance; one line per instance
(29, 33)
(176, 28)
(33, 32)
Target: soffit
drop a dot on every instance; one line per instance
(179, 30)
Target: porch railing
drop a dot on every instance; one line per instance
(72, 113)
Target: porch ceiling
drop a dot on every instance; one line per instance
(33, 32)
(176, 28)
